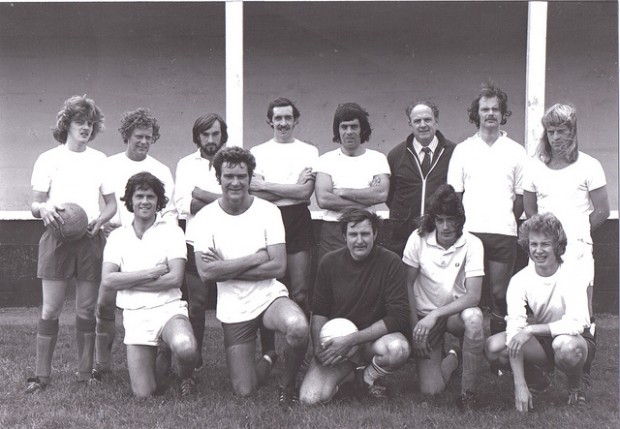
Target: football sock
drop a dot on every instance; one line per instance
(105, 331)
(85, 336)
(449, 364)
(198, 327)
(374, 371)
(47, 334)
(472, 361)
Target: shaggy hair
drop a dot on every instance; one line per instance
(548, 225)
(444, 202)
(556, 116)
(139, 118)
(77, 108)
(350, 112)
(489, 90)
(205, 122)
(233, 155)
(145, 180)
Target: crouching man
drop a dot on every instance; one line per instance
(145, 261)
(445, 268)
(365, 284)
(558, 332)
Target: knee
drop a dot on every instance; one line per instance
(495, 346)
(313, 393)
(297, 329)
(397, 352)
(473, 321)
(184, 347)
(569, 352)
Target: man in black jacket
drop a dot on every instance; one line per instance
(419, 165)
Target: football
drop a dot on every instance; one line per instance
(338, 327)
(75, 222)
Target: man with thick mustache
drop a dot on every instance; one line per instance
(196, 186)
(486, 170)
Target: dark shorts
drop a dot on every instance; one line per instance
(80, 259)
(435, 336)
(190, 264)
(546, 344)
(242, 332)
(498, 247)
(298, 227)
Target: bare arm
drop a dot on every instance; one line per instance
(523, 397)
(327, 199)
(201, 198)
(376, 193)
(517, 206)
(213, 267)
(412, 275)
(173, 279)
(43, 210)
(113, 279)
(302, 190)
(530, 203)
(106, 214)
(316, 324)
(600, 202)
(273, 268)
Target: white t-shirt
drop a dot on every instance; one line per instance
(162, 242)
(442, 272)
(566, 192)
(354, 172)
(237, 236)
(68, 176)
(193, 171)
(489, 177)
(559, 300)
(282, 163)
(120, 168)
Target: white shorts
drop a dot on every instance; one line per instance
(144, 326)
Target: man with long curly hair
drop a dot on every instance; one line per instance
(70, 172)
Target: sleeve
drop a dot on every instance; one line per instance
(516, 301)
(529, 172)
(455, 170)
(274, 228)
(321, 299)
(107, 182)
(259, 165)
(112, 251)
(521, 162)
(41, 179)
(596, 175)
(322, 164)
(411, 254)
(474, 260)
(396, 299)
(382, 165)
(176, 247)
(199, 231)
(577, 315)
(169, 213)
(183, 188)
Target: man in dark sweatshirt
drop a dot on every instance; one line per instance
(365, 284)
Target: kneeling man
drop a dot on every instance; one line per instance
(144, 262)
(365, 284)
(239, 243)
(444, 279)
(558, 332)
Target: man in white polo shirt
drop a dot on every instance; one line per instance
(144, 262)
(487, 170)
(444, 280)
(195, 187)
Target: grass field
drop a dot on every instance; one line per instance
(66, 405)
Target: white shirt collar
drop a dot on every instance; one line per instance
(417, 146)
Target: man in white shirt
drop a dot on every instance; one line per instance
(486, 169)
(558, 331)
(445, 268)
(239, 243)
(144, 262)
(350, 176)
(139, 130)
(195, 187)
